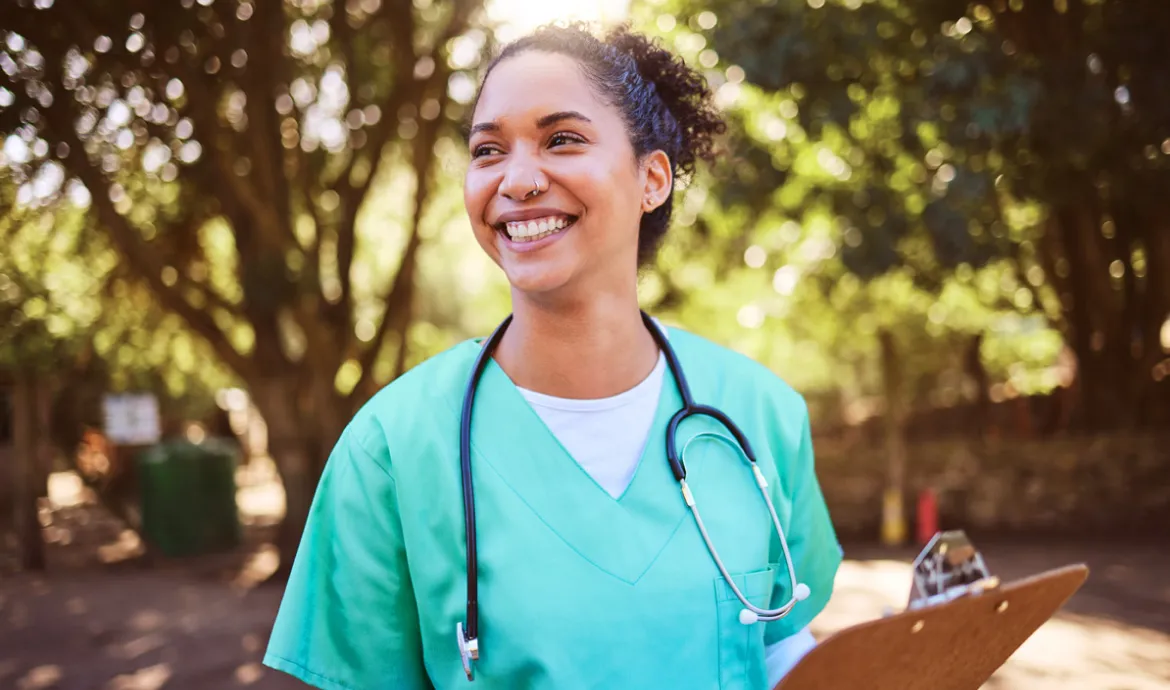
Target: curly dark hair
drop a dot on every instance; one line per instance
(666, 105)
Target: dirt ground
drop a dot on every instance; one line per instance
(106, 618)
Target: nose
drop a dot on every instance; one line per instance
(523, 178)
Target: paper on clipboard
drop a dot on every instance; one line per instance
(953, 639)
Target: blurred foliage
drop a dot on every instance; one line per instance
(268, 172)
(948, 171)
(276, 187)
(68, 311)
(232, 147)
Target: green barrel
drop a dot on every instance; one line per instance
(188, 497)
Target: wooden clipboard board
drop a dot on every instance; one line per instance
(955, 645)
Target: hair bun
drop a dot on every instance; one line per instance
(683, 91)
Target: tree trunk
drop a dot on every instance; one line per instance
(1155, 399)
(973, 363)
(302, 428)
(1094, 317)
(29, 479)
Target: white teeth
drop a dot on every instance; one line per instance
(535, 228)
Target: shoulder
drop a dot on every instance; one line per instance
(720, 368)
(430, 390)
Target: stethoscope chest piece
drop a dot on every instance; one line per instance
(468, 650)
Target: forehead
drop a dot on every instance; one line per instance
(535, 83)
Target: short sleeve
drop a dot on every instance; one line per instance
(812, 541)
(348, 619)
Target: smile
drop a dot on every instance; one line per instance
(536, 228)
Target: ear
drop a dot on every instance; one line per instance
(658, 178)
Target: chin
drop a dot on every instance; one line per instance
(540, 281)
(547, 270)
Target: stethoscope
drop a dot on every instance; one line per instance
(468, 632)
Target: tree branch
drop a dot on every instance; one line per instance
(406, 89)
(219, 142)
(214, 299)
(130, 245)
(396, 316)
(147, 268)
(267, 69)
(305, 182)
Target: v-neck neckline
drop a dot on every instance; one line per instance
(643, 388)
(622, 536)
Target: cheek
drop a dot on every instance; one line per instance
(612, 190)
(476, 195)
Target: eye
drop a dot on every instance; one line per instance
(562, 138)
(485, 150)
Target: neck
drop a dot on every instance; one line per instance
(591, 348)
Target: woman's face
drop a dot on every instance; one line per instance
(554, 190)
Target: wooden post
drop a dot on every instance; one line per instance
(893, 510)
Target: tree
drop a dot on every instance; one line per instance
(73, 327)
(938, 126)
(229, 148)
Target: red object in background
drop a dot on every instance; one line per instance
(927, 522)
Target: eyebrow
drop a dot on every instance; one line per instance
(542, 123)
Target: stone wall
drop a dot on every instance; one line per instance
(1116, 484)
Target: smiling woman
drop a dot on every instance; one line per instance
(517, 511)
(568, 150)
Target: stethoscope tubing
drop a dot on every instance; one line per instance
(471, 625)
(468, 631)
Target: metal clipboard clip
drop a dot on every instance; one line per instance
(949, 567)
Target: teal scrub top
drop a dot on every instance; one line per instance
(577, 589)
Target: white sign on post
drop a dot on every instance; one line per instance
(132, 418)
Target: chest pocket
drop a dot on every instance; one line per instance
(741, 647)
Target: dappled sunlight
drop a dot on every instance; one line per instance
(76, 606)
(249, 673)
(132, 649)
(146, 620)
(259, 493)
(251, 643)
(258, 568)
(149, 678)
(1096, 653)
(40, 677)
(66, 490)
(864, 590)
(128, 545)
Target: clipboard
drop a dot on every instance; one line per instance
(951, 639)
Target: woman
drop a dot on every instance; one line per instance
(592, 571)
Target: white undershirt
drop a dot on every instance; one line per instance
(606, 436)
